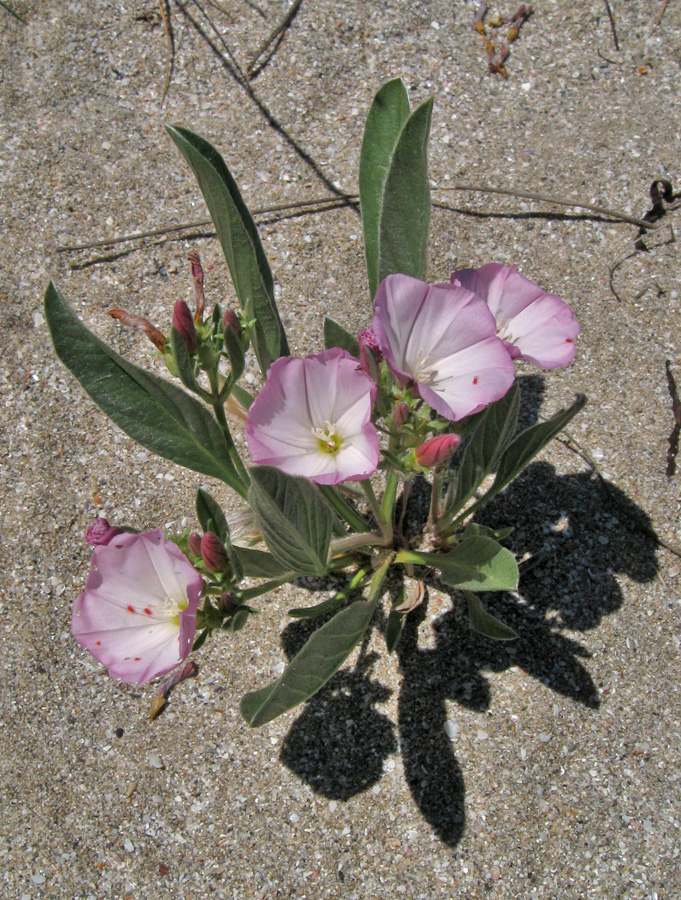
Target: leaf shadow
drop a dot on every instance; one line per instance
(577, 534)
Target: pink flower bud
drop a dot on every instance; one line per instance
(194, 542)
(152, 332)
(231, 320)
(437, 450)
(100, 532)
(197, 277)
(184, 323)
(214, 553)
(368, 345)
(400, 415)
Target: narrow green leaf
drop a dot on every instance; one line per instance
(336, 336)
(321, 609)
(405, 204)
(238, 621)
(156, 414)
(210, 515)
(389, 111)
(240, 242)
(477, 563)
(394, 629)
(294, 519)
(498, 534)
(244, 397)
(485, 622)
(490, 439)
(257, 563)
(321, 657)
(528, 444)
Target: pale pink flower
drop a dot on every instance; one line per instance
(534, 325)
(313, 418)
(441, 340)
(137, 615)
(100, 532)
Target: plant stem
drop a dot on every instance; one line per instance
(434, 513)
(357, 542)
(219, 410)
(342, 507)
(388, 502)
(384, 524)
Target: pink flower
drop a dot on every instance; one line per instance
(436, 450)
(440, 339)
(183, 321)
(137, 614)
(534, 325)
(313, 418)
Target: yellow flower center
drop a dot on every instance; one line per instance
(328, 440)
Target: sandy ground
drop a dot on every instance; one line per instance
(457, 767)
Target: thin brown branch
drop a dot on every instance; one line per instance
(659, 18)
(170, 44)
(323, 203)
(546, 198)
(612, 25)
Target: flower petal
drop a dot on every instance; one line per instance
(537, 326)
(301, 400)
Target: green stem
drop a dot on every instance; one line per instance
(342, 507)
(219, 410)
(436, 492)
(388, 502)
(383, 523)
(357, 542)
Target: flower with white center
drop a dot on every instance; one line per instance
(534, 325)
(137, 615)
(313, 418)
(441, 340)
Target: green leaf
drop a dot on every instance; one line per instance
(499, 534)
(389, 111)
(485, 622)
(477, 563)
(257, 563)
(210, 515)
(240, 242)
(321, 657)
(156, 414)
(528, 444)
(294, 519)
(321, 609)
(238, 620)
(244, 397)
(336, 336)
(490, 439)
(394, 629)
(405, 203)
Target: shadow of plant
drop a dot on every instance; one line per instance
(576, 535)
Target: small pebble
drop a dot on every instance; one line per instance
(129, 846)
(155, 760)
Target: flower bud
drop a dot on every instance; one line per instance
(229, 602)
(152, 332)
(231, 320)
(194, 542)
(400, 415)
(437, 450)
(214, 553)
(368, 345)
(100, 532)
(184, 323)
